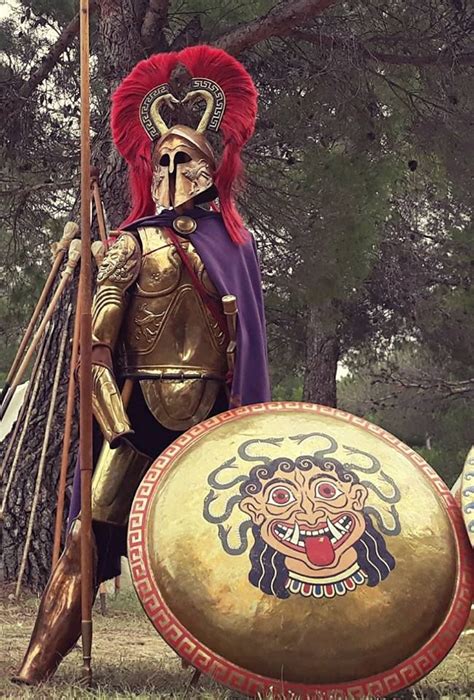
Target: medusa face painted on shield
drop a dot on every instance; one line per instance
(311, 533)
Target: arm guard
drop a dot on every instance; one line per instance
(117, 272)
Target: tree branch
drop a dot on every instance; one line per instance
(279, 21)
(429, 383)
(48, 62)
(443, 58)
(190, 34)
(154, 22)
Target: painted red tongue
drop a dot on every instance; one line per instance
(319, 550)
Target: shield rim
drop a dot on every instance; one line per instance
(240, 679)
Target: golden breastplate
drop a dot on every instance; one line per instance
(172, 343)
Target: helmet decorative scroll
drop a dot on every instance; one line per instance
(150, 116)
(200, 89)
(214, 97)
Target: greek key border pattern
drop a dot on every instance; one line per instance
(145, 107)
(467, 494)
(219, 100)
(232, 676)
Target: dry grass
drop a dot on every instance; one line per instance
(131, 661)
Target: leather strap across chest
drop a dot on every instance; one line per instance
(211, 304)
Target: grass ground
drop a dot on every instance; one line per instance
(131, 661)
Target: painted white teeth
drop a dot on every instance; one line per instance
(337, 534)
(296, 535)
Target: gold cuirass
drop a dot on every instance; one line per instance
(170, 340)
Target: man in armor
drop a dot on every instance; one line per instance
(163, 356)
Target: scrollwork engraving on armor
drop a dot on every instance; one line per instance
(147, 325)
(119, 263)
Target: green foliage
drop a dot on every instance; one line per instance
(422, 403)
(290, 388)
(57, 10)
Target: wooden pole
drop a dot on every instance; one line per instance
(85, 374)
(99, 209)
(20, 420)
(25, 421)
(73, 259)
(98, 252)
(60, 249)
(44, 450)
(71, 390)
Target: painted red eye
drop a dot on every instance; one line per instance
(327, 490)
(280, 496)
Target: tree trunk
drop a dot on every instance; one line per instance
(322, 354)
(121, 50)
(19, 502)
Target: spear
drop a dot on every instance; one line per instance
(24, 420)
(99, 208)
(66, 276)
(59, 250)
(85, 374)
(44, 450)
(98, 252)
(66, 438)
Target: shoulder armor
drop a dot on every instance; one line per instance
(121, 264)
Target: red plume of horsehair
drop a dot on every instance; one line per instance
(128, 133)
(236, 128)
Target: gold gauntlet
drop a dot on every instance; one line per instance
(108, 407)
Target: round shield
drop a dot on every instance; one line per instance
(467, 494)
(298, 548)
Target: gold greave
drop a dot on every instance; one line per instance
(58, 623)
(117, 476)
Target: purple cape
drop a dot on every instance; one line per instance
(233, 269)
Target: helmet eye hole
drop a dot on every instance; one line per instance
(165, 159)
(182, 157)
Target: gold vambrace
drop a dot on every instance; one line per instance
(107, 406)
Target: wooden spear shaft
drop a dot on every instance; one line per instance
(85, 374)
(25, 420)
(71, 390)
(99, 209)
(44, 451)
(74, 255)
(70, 231)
